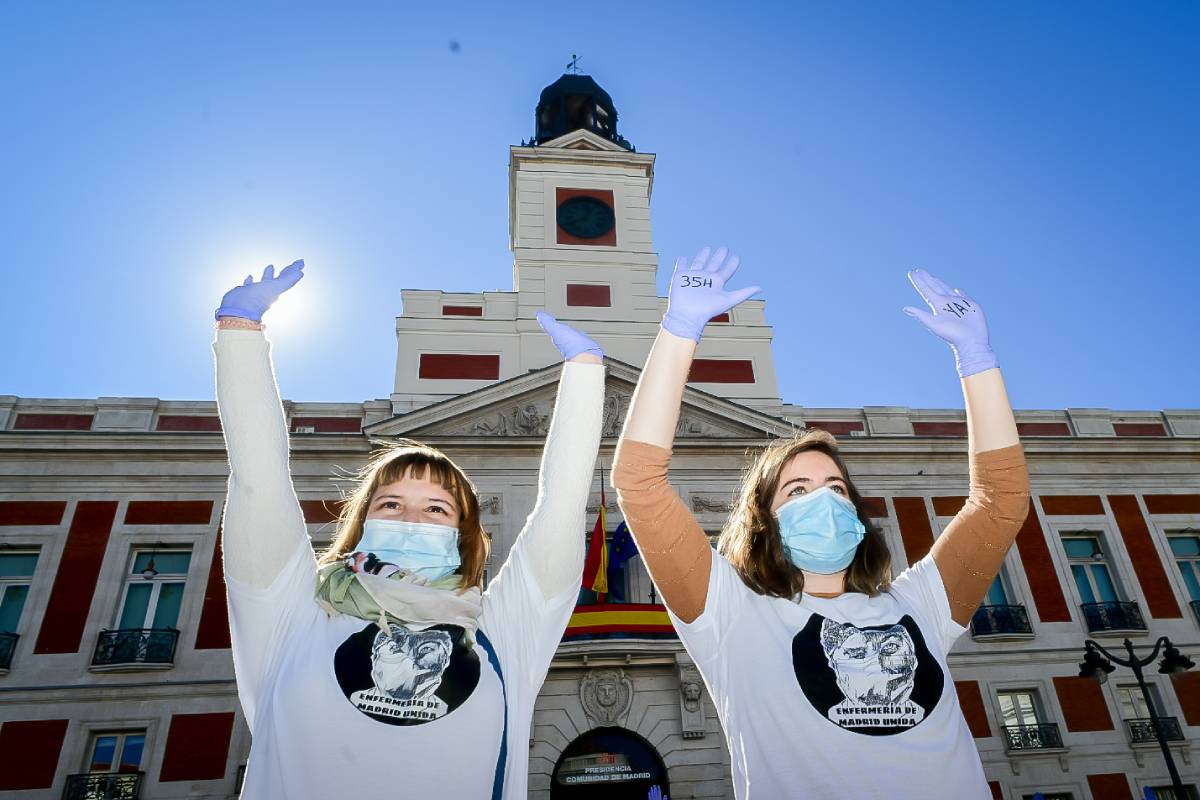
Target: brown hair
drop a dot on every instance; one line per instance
(404, 459)
(751, 540)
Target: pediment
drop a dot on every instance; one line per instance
(523, 406)
(581, 139)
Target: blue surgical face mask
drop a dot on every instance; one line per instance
(427, 549)
(820, 531)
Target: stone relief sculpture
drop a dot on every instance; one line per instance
(530, 419)
(489, 503)
(691, 701)
(606, 694)
(707, 504)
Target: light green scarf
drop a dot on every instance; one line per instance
(340, 590)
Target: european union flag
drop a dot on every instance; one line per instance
(620, 549)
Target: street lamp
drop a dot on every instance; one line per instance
(1097, 667)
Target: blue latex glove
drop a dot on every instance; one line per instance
(251, 300)
(956, 319)
(697, 293)
(569, 341)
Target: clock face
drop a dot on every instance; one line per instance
(585, 217)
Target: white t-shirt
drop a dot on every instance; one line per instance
(338, 709)
(846, 697)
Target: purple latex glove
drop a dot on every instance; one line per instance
(251, 300)
(569, 341)
(956, 319)
(697, 293)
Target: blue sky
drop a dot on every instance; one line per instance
(1041, 156)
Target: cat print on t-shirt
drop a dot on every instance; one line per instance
(877, 680)
(407, 677)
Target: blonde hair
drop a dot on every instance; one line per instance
(751, 542)
(413, 459)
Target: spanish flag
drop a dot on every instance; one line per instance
(595, 566)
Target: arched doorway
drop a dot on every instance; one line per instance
(608, 764)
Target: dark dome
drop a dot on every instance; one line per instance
(573, 102)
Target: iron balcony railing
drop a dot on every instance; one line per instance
(8, 643)
(1000, 620)
(1043, 736)
(1113, 616)
(104, 786)
(1141, 730)
(136, 646)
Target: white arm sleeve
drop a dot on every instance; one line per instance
(263, 525)
(553, 536)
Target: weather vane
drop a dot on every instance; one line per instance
(574, 65)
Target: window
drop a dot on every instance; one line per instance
(154, 589)
(117, 752)
(1089, 568)
(996, 596)
(1133, 702)
(1019, 708)
(16, 574)
(1186, 548)
(1169, 793)
(1048, 796)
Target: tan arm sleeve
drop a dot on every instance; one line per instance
(671, 542)
(970, 551)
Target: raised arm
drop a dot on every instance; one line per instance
(970, 551)
(671, 542)
(552, 538)
(263, 525)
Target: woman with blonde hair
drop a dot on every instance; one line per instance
(828, 675)
(383, 669)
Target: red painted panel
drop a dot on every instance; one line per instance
(721, 370)
(997, 794)
(53, 422)
(971, 701)
(1146, 563)
(168, 512)
(1187, 690)
(319, 511)
(587, 294)
(328, 424)
(724, 317)
(1048, 597)
(213, 631)
(197, 747)
(75, 583)
(948, 506)
(837, 427)
(939, 429)
(460, 366)
(1054, 505)
(1139, 429)
(876, 506)
(1172, 503)
(1109, 786)
(562, 195)
(1043, 429)
(185, 422)
(915, 530)
(462, 311)
(29, 751)
(32, 512)
(1082, 704)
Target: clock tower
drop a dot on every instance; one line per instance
(580, 233)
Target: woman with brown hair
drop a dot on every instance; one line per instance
(829, 676)
(384, 669)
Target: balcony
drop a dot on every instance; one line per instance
(104, 786)
(619, 621)
(1113, 617)
(8, 643)
(1001, 622)
(152, 648)
(1043, 736)
(1195, 604)
(1141, 730)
